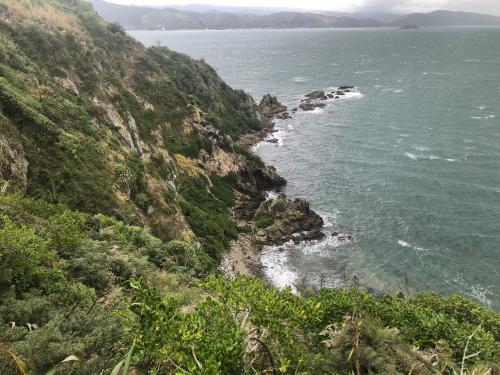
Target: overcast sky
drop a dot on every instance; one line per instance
(397, 6)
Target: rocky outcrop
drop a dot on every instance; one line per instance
(316, 95)
(311, 106)
(126, 131)
(268, 110)
(13, 164)
(270, 107)
(316, 98)
(292, 220)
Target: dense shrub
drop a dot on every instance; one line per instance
(207, 214)
(263, 220)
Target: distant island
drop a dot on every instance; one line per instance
(409, 27)
(222, 18)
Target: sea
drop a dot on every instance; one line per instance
(407, 165)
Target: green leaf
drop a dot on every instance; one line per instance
(128, 359)
(117, 368)
(53, 370)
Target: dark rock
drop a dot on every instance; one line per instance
(345, 87)
(270, 107)
(283, 116)
(273, 140)
(294, 110)
(337, 97)
(318, 94)
(335, 234)
(291, 219)
(314, 235)
(306, 106)
(340, 93)
(330, 96)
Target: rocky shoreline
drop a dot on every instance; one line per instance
(267, 221)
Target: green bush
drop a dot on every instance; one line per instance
(26, 260)
(263, 220)
(207, 214)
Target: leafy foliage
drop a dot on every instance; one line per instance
(268, 330)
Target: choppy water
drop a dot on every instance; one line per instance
(387, 165)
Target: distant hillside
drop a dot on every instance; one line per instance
(132, 17)
(447, 18)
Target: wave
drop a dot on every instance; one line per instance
(483, 117)
(299, 79)
(406, 244)
(427, 157)
(478, 293)
(275, 266)
(352, 95)
(420, 148)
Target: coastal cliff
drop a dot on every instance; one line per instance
(126, 178)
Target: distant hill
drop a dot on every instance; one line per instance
(199, 17)
(447, 18)
(147, 18)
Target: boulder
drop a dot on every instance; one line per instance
(306, 106)
(345, 87)
(317, 94)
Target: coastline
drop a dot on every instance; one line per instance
(295, 222)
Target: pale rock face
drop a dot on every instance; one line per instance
(127, 132)
(68, 85)
(134, 134)
(222, 162)
(13, 164)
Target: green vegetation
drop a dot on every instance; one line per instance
(263, 220)
(110, 241)
(89, 285)
(206, 210)
(65, 281)
(245, 327)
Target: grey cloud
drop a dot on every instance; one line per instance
(405, 6)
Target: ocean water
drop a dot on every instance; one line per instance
(409, 165)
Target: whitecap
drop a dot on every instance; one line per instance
(420, 148)
(364, 71)
(353, 95)
(397, 91)
(299, 79)
(406, 244)
(412, 156)
(316, 110)
(274, 260)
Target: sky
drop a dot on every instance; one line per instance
(392, 6)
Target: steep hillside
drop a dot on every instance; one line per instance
(95, 121)
(124, 179)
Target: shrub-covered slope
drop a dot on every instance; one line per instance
(92, 119)
(119, 168)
